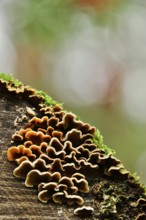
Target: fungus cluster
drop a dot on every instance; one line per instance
(61, 156)
(53, 154)
(56, 154)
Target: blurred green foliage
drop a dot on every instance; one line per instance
(41, 21)
(48, 21)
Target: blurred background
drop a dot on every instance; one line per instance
(89, 55)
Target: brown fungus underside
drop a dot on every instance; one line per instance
(56, 153)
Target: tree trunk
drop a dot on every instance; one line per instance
(117, 196)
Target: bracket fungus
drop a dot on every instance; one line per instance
(84, 210)
(66, 160)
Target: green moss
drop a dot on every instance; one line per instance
(98, 140)
(10, 78)
(47, 99)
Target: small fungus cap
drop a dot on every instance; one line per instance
(84, 210)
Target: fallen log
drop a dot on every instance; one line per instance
(54, 166)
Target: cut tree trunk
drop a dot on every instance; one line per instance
(110, 196)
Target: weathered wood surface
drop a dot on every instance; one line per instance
(17, 201)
